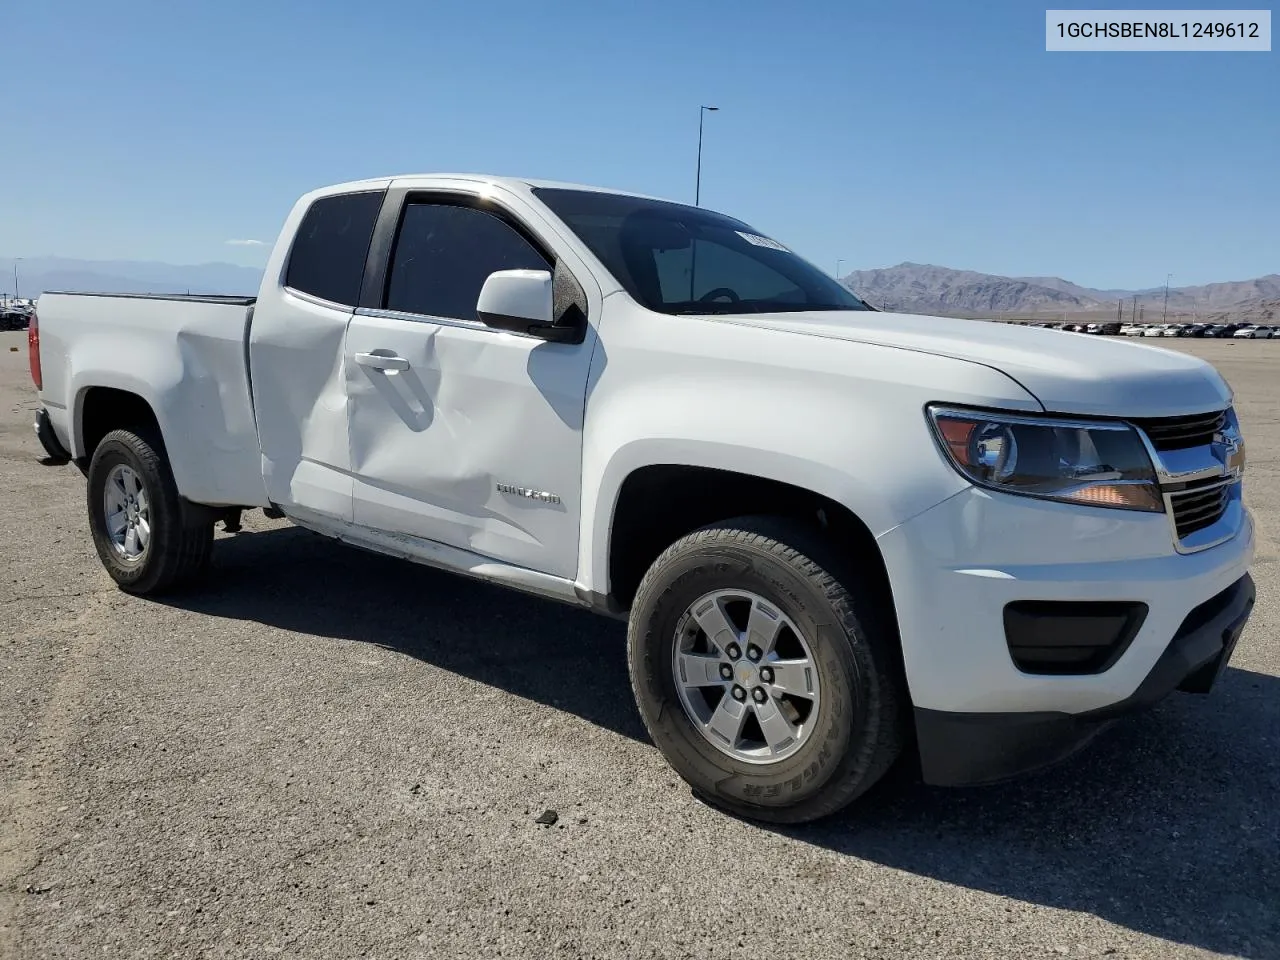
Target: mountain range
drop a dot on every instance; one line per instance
(38, 274)
(925, 288)
(907, 287)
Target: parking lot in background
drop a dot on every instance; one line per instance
(324, 753)
(1192, 331)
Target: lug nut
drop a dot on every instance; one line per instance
(726, 672)
(739, 693)
(734, 651)
(753, 652)
(759, 695)
(766, 674)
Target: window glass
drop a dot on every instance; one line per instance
(706, 267)
(678, 259)
(445, 253)
(329, 249)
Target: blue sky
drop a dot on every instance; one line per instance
(936, 132)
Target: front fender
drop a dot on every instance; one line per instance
(844, 420)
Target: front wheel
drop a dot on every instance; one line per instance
(764, 672)
(144, 537)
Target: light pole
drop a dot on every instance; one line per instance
(1167, 278)
(838, 262)
(697, 189)
(15, 277)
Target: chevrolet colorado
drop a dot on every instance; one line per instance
(838, 535)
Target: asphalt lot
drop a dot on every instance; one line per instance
(328, 754)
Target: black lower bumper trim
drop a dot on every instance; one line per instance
(54, 450)
(958, 749)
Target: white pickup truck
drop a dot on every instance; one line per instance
(840, 535)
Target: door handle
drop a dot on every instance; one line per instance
(382, 362)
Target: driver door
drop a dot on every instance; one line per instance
(461, 433)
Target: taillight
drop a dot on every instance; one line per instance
(33, 348)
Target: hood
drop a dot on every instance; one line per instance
(1066, 372)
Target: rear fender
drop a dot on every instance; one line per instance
(198, 424)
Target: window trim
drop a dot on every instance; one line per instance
(373, 298)
(315, 301)
(382, 313)
(293, 246)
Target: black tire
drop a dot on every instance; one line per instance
(180, 545)
(860, 724)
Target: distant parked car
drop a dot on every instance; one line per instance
(1172, 330)
(1156, 331)
(15, 315)
(1253, 333)
(1195, 330)
(1095, 328)
(1222, 330)
(1132, 330)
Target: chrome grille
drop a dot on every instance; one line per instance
(1180, 433)
(1199, 459)
(1199, 505)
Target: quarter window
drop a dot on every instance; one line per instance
(330, 247)
(444, 254)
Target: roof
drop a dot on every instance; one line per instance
(518, 184)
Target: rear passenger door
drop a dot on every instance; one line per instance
(296, 353)
(461, 433)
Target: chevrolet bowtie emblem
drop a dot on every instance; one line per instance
(1230, 450)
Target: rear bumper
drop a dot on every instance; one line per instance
(958, 749)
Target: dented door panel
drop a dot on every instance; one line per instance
(476, 442)
(296, 353)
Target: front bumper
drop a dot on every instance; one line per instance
(972, 748)
(956, 567)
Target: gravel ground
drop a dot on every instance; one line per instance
(328, 754)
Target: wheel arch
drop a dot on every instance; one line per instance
(658, 503)
(101, 409)
(146, 393)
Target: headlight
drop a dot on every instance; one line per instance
(1078, 461)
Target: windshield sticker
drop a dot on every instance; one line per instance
(760, 241)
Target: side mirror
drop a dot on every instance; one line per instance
(517, 300)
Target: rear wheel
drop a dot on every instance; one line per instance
(764, 671)
(145, 538)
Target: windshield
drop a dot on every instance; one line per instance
(678, 259)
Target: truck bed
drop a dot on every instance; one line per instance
(232, 299)
(185, 355)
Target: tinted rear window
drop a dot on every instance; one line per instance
(329, 250)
